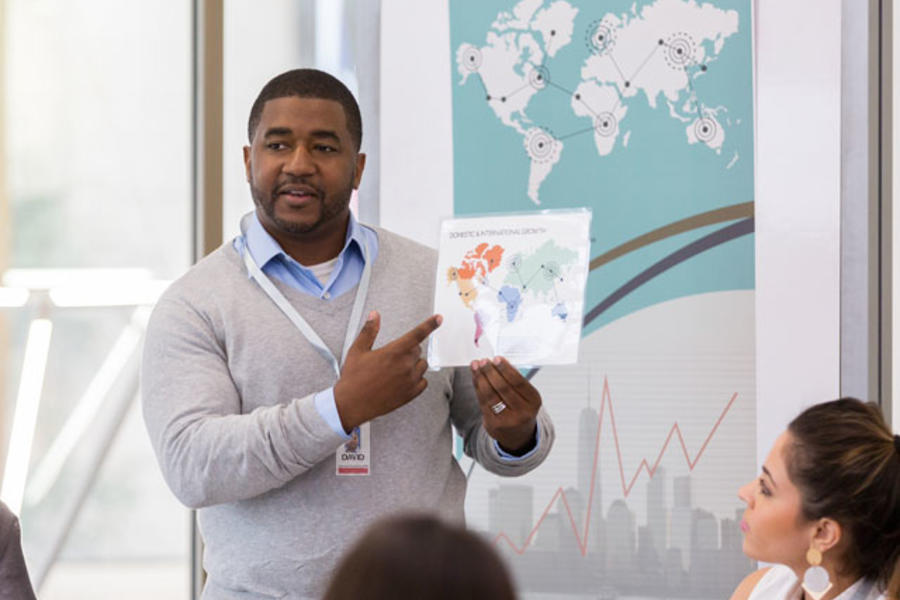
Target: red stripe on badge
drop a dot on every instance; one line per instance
(353, 470)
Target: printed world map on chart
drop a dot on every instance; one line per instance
(508, 286)
(546, 266)
(654, 54)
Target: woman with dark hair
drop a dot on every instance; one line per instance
(420, 557)
(826, 509)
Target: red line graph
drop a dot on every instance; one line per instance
(582, 539)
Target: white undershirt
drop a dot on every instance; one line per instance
(322, 271)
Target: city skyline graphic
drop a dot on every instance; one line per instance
(560, 495)
(640, 499)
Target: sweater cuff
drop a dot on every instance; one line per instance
(327, 408)
(311, 438)
(536, 442)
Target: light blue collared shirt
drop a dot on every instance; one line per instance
(276, 264)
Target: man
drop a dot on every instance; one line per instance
(256, 372)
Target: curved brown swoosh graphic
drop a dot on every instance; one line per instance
(719, 215)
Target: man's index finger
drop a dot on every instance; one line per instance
(420, 332)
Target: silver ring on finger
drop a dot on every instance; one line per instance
(498, 408)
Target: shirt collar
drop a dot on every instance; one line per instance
(264, 248)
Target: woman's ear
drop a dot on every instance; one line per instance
(828, 534)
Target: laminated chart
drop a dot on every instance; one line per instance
(512, 286)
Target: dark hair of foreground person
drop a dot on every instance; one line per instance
(420, 557)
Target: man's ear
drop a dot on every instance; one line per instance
(828, 534)
(360, 167)
(247, 162)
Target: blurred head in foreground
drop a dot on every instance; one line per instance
(420, 557)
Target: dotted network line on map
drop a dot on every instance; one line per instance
(550, 270)
(679, 49)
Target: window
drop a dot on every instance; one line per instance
(95, 195)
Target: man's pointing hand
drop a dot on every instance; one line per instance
(375, 382)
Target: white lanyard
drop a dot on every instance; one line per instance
(297, 319)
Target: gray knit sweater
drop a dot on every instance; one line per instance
(228, 386)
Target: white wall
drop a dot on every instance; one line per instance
(798, 180)
(798, 208)
(416, 127)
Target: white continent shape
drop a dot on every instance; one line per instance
(510, 68)
(638, 59)
(601, 104)
(520, 17)
(555, 23)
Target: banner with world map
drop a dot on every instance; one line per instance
(642, 111)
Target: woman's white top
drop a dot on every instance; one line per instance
(780, 583)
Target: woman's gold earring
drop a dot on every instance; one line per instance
(816, 581)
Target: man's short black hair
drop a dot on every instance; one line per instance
(308, 83)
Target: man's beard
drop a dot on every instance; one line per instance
(331, 206)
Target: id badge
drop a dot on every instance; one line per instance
(354, 457)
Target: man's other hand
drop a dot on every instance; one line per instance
(509, 404)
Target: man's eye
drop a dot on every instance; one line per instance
(276, 146)
(325, 148)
